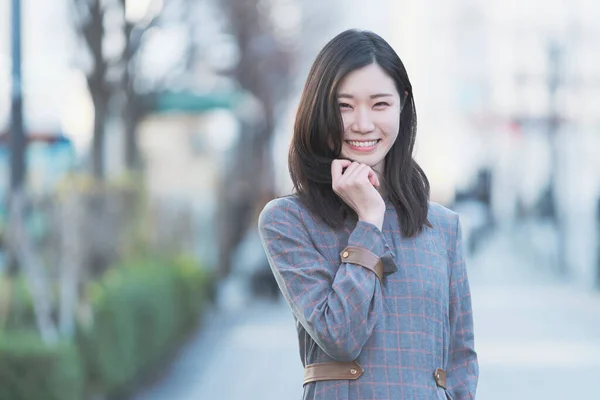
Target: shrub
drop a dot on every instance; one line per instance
(30, 370)
(141, 311)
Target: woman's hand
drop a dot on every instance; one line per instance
(356, 186)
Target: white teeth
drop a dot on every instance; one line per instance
(363, 144)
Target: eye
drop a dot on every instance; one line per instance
(345, 105)
(381, 104)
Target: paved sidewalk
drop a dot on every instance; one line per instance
(248, 353)
(536, 339)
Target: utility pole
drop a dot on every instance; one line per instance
(17, 135)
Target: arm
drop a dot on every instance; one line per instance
(337, 303)
(463, 369)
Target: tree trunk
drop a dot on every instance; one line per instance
(263, 71)
(132, 161)
(71, 243)
(37, 282)
(132, 110)
(100, 113)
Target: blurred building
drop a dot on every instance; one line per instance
(186, 141)
(512, 88)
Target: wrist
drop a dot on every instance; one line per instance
(373, 218)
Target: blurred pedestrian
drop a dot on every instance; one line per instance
(373, 271)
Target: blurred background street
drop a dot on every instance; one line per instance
(139, 140)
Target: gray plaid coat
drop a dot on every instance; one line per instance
(417, 319)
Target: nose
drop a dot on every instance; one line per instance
(363, 123)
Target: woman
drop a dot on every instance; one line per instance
(372, 270)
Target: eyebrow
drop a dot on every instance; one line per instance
(373, 96)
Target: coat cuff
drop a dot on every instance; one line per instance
(360, 256)
(367, 236)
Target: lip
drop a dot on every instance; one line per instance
(363, 149)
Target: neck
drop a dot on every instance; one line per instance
(378, 169)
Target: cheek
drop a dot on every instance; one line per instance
(346, 122)
(391, 126)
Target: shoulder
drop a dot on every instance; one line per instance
(445, 221)
(281, 210)
(441, 215)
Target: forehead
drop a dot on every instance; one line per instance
(367, 80)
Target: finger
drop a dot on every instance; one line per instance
(356, 172)
(363, 174)
(357, 177)
(337, 166)
(373, 178)
(348, 174)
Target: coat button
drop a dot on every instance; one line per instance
(345, 254)
(353, 371)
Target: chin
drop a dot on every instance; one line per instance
(367, 161)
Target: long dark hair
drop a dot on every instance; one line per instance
(318, 134)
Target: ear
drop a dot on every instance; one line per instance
(406, 93)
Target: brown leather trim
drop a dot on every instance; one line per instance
(332, 371)
(363, 257)
(440, 377)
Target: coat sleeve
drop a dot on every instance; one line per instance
(337, 303)
(463, 369)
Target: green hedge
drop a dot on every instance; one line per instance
(30, 370)
(141, 311)
(21, 316)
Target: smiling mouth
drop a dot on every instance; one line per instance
(363, 143)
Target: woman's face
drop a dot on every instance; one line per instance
(370, 106)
